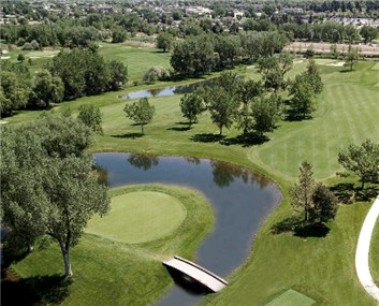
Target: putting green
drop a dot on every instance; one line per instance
(138, 217)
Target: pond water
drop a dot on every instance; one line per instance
(166, 91)
(241, 200)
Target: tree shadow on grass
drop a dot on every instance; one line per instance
(129, 135)
(246, 140)
(207, 137)
(347, 193)
(37, 290)
(300, 228)
(180, 127)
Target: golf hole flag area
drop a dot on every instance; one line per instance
(292, 298)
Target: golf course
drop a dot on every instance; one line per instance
(118, 259)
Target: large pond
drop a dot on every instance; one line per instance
(240, 198)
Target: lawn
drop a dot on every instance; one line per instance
(107, 271)
(138, 60)
(321, 268)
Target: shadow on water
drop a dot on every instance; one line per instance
(143, 161)
(187, 283)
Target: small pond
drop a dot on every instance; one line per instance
(166, 91)
(240, 198)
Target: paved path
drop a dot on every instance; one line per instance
(363, 249)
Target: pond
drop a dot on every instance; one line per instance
(241, 200)
(166, 91)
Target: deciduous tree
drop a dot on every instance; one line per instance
(363, 160)
(140, 112)
(191, 106)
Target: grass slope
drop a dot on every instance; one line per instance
(108, 272)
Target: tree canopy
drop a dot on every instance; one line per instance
(48, 182)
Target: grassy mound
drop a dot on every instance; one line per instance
(108, 272)
(138, 217)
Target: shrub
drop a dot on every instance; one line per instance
(155, 73)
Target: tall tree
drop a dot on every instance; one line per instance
(140, 112)
(222, 106)
(34, 201)
(301, 192)
(351, 57)
(265, 114)
(46, 89)
(165, 41)
(362, 160)
(191, 106)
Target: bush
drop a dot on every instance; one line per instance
(27, 47)
(155, 73)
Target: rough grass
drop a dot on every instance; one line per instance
(137, 217)
(110, 272)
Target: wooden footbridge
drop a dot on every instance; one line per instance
(196, 273)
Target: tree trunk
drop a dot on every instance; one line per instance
(363, 182)
(220, 130)
(142, 129)
(66, 260)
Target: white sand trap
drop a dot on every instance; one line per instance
(336, 64)
(5, 57)
(3, 122)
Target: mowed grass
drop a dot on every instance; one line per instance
(137, 59)
(138, 217)
(347, 113)
(109, 272)
(291, 298)
(374, 254)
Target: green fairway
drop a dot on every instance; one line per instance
(322, 268)
(374, 252)
(138, 60)
(108, 272)
(291, 298)
(138, 217)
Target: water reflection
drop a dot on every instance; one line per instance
(241, 200)
(168, 91)
(143, 161)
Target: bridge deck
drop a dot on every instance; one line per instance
(198, 273)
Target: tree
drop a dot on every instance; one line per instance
(47, 89)
(34, 201)
(191, 106)
(222, 106)
(362, 160)
(368, 33)
(247, 92)
(324, 203)
(165, 41)
(73, 199)
(301, 103)
(91, 116)
(140, 112)
(154, 74)
(118, 74)
(351, 56)
(265, 114)
(301, 193)
(21, 57)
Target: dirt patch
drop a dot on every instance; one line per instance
(325, 48)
